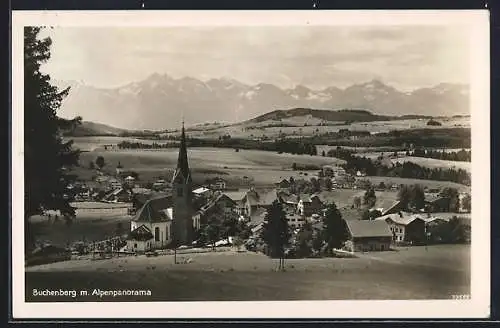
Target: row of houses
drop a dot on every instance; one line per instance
(395, 229)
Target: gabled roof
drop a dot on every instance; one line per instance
(153, 210)
(391, 207)
(141, 233)
(365, 228)
(403, 219)
(268, 198)
(235, 195)
(305, 198)
(200, 190)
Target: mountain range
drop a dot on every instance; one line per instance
(160, 102)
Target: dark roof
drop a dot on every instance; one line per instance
(141, 233)
(268, 198)
(152, 210)
(182, 170)
(365, 228)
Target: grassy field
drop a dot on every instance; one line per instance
(412, 273)
(259, 167)
(423, 161)
(306, 126)
(87, 226)
(429, 183)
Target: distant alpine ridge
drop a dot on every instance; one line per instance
(160, 101)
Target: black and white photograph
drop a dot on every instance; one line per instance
(318, 161)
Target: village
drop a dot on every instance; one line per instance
(178, 215)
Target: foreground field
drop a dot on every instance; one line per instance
(414, 273)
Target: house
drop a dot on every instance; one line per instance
(406, 228)
(114, 183)
(295, 221)
(216, 183)
(160, 185)
(202, 192)
(309, 205)
(267, 199)
(436, 203)
(251, 202)
(221, 205)
(367, 236)
(129, 180)
(283, 184)
(140, 239)
(395, 207)
(120, 195)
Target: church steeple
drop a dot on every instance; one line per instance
(182, 170)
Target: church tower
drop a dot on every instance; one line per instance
(182, 210)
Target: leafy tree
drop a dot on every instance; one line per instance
(453, 195)
(315, 185)
(304, 240)
(211, 232)
(100, 162)
(356, 202)
(275, 232)
(317, 242)
(417, 197)
(48, 159)
(370, 198)
(334, 228)
(404, 196)
(328, 183)
(466, 202)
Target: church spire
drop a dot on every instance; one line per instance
(182, 161)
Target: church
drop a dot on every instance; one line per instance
(167, 220)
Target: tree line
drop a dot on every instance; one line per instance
(402, 170)
(458, 156)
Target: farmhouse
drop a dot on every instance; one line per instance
(406, 228)
(367, 236)
(120, 195)
(216, 183)
(295, 221)
(396, 207)
(283, 184)
(309, 205)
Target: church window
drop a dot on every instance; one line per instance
(157, 234)
(179, 192)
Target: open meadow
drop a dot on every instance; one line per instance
(241, 168)
(435, 272)
(309, 126)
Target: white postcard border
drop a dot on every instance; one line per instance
(478, 306)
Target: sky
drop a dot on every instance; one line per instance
(406, 57)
